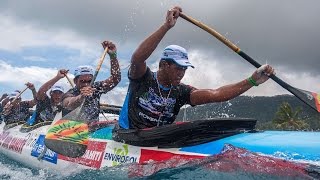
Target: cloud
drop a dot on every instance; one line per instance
(15, 36)
(35, 58)
(115, 96)
(283, 33)
(15, 77)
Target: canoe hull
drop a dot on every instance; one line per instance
(28, 148)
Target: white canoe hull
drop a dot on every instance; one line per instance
(27, 147)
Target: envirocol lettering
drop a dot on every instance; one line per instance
(120, 158)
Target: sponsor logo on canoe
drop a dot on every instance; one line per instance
(40, 152)
(120, 156)
(118, 153)
(92, 157)
(31, 140)
(12, 143)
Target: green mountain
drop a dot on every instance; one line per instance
(259, 107)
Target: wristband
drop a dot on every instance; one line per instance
(113, 55)
(252, 81)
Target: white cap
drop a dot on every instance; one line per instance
(82, 70)
(57, 88)
(176, 54)
(14, 94)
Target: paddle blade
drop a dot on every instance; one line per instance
(76, 114)
(69, 138)
(66, 148)
(310, 98)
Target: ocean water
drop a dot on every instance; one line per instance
(233, 163)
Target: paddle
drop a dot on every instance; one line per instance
(57, 117)
(310, 98)
(69, 135)
(110, 105)
(71, 83)
(17, 97)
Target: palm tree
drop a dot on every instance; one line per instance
(287, 118)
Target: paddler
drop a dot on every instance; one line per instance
(17, 110)
(3, 100)
(47, 107)
(155, 98)
(82, 90)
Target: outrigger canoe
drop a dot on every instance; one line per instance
(108, 147)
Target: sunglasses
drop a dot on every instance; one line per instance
(18, 99)
(85, 81)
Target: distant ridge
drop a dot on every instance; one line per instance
(262, 108)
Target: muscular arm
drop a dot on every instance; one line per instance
(45, 87)
(145, 49)
(71, 102)
(224, 93)
(115, 77)
(34, 100)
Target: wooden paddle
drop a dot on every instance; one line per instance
(57, 117)
(69, 135)
(17, 97)
(110, 105)
(70, 82)
(310, 98)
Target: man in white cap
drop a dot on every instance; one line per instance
(47, 107)
(16, 110)
(155, 98)
(83, 91)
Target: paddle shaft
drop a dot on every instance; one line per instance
(110, 105)
(71, 83)
(19, 95)
(99, 65)
(236, 49)
(231, 46)
(95, 74)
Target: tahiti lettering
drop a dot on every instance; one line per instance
(92, 155)
(120, 158)
(148, 117)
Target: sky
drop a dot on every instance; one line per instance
(39, 37)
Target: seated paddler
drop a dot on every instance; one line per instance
(83, 76)
(48, 106)
(155, 98)
(16, 110)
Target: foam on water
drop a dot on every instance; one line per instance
(13, 170)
